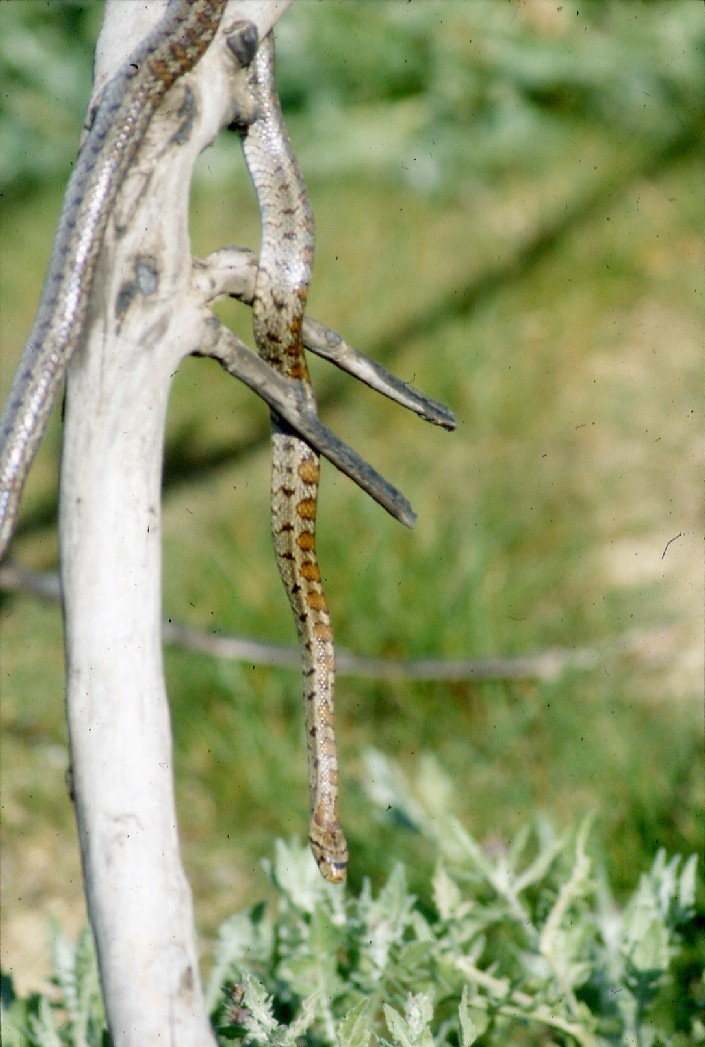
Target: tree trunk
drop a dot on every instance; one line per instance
(146, 315)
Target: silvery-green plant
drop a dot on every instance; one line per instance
(513, 945)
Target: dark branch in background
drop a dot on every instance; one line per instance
(545, 665)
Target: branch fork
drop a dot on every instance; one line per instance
(138, 897)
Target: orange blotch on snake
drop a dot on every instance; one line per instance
(322, 631)
(306, 541)
(161, 70)
(316, 601)
(306, 509)
(298, 371)
(310, 572)
(309, 472)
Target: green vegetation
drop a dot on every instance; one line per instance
(518, 943)
(507, 199)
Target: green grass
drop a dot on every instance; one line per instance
(557, 311)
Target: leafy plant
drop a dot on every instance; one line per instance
(435, 92)
(70, 1014)
(512, 943)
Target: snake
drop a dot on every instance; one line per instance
(281, 292)
(116, 132)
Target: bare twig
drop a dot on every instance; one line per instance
(287, 398)
(232, 271)
(543, 665)
(328, 344)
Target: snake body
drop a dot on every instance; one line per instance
(118, 128)
(281, 292)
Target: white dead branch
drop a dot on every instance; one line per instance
(146, 315)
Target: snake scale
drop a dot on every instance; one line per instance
(117, 130)
(281, 291)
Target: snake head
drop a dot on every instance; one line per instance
(330, 850)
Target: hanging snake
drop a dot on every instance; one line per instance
(281, 292)
(117, 130)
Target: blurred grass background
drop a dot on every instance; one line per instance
(508, 200)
